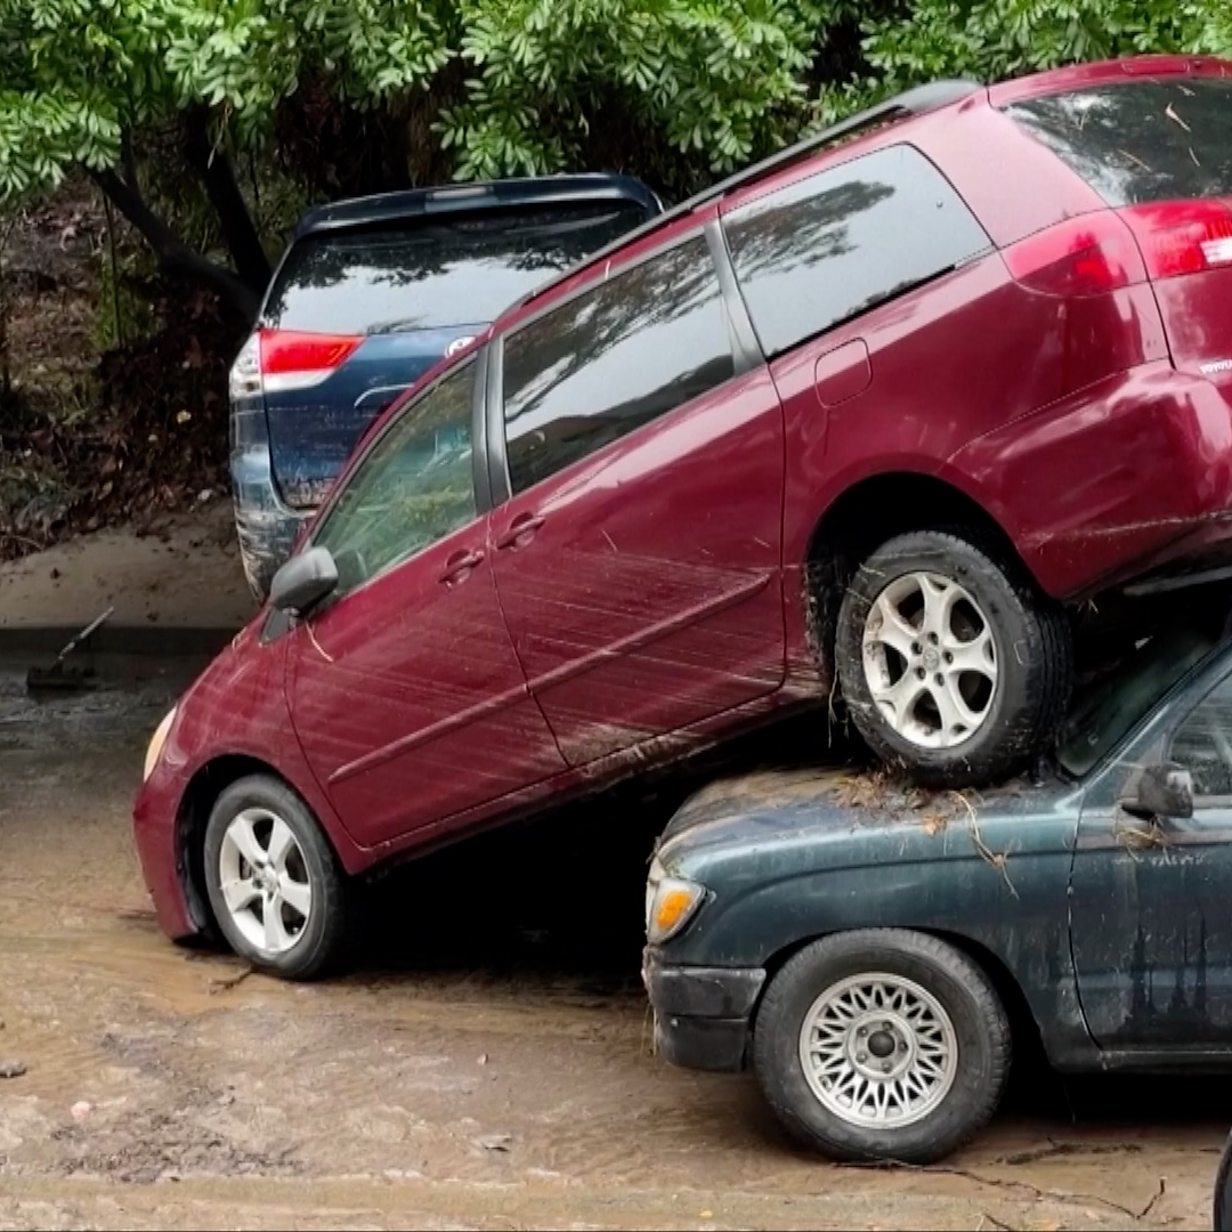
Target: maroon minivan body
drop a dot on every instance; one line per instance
(983, 315)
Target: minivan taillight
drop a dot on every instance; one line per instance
(1089, 255)
(291, 360)
(1182, 237)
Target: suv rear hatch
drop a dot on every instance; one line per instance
(1159, 152)
(357, 313)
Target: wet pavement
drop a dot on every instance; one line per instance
(487, 1064)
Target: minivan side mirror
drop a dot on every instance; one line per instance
(1165, 790)
(304, 581)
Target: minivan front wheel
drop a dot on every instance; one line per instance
(952, 667)
(273, 882)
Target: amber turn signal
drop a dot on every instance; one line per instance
(672, 907)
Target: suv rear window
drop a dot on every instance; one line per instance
(1140, 141)
(435, 273)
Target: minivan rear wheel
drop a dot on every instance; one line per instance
(953, 668)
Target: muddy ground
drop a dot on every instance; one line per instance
(179, 570)
(487, 1065)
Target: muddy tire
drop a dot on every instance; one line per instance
(953, 667)
(275, 887)
(1221, 1219)
(882, 1044)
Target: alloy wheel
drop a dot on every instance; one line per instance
(878, 1051)
(930, 660)
(264, 880)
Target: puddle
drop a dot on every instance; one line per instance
(127, 698)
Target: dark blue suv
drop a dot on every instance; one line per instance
(368, 296)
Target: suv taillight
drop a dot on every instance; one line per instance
(1089, 255)
(1182, 237)
(245, 378)
(290, 360)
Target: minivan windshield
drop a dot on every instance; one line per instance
(436, 272)
(1107, 713)
(1143, 140)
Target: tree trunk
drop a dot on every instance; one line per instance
(175, 258)
(6, 374)
(221, 187)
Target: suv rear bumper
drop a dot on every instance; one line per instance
(702, 1015)
(266, 527)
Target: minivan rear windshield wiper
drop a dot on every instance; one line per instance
(392, 327)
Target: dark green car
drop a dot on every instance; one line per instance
(872, 951)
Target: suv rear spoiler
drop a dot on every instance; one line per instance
(544, 190)
(914, 102)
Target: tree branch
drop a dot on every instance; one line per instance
(175, 258)
(6, 375)
(128, 160)
(221, 187)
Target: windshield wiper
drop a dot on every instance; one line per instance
(392, 327)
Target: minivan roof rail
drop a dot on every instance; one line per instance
(914, 102)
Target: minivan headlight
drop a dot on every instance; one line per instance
(671, 902)
(157, 741)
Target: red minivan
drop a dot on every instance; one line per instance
(882, 408)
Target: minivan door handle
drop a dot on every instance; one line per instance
(460, 565)
(521, 531)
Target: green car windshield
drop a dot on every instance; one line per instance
(1103, 716)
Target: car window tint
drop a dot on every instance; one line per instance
(1140, 141)
(432, 274)
(613, 358)
(1203, 743)
(414, 486)
(831, 246)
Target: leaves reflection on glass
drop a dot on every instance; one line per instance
(616, 357)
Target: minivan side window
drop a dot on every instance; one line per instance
(826, 248)
(414, 487)
(613, 358)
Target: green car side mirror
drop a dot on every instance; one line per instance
(1165, 790)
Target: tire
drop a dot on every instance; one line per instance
(1011, 704)
(949, 1112)
(290, 945)
(1221, 1218)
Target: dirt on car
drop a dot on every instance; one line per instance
(487, 1064)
